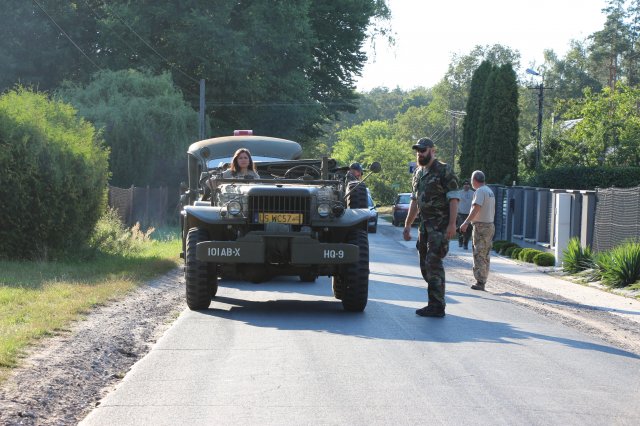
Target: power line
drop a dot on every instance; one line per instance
(66, 35)
(438, 133)
(437, 139)
(273, 104)
(134, 51)
(151, 47)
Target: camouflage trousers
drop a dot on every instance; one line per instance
(432, 247)
(482, 241)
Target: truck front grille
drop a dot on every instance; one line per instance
(282, 208)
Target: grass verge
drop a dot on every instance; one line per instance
(37, 299)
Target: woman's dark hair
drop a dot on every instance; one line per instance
(234, 163)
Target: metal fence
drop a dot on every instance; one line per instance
(617, 217)
(546, 218)
(144, 205)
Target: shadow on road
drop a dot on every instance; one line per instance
(383, 320)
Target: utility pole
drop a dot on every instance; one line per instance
(201, 115)
(539, 133)
(540, 88)
(454, 116)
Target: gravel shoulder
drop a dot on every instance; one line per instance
(67, 375)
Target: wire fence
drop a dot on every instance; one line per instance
(617, 217)
(144, 205)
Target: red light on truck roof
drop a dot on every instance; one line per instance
(243, 133)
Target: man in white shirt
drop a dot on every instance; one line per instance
(483, 210)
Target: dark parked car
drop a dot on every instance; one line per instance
(400, 208)
(373, 220)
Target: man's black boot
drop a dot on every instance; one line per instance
(431, 311)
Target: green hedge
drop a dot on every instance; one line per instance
(53, 177)
(544, 259)
(498, 244)
(587, 178)
(515, 252)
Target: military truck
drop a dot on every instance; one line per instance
(301, 217)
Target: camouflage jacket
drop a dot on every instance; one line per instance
(432, 188)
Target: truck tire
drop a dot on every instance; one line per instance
(357, 198)
(201, 277)
(355, 276)
(338, 287)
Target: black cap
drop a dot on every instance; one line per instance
(356, 166)
(423, 143)
(466, 182)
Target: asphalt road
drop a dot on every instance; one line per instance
(284, 353)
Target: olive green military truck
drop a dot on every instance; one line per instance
(301, 217)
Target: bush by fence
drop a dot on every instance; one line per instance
(53, 171)
(587, 177)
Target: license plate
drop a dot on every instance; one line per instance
(288, 218)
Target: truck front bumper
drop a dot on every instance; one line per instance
(296, 250)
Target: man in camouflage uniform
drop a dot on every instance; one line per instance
(483, 211)
(435, 196)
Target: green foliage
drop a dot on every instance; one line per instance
(53, 176)
(490, 130)
(496, 151)
(575, 258)
(145, 122)
(497, 245)
(509, 250)
(527, 254)
(544, 259)
(620, 266)
(279, 68)
(515, 252)
(507, 246)
(373, 141)
(111, 237)
(607, 133)
(470, 123)
(580, 177)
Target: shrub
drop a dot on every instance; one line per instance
(515, 252)
(527, 254)
(544, 259)
(497, 245)
(575, 258)
(581, 177)
(528, 257)
(110, 236)
(53, 177)
(145, 120)
(620, 266)
(509, 249)
(506, 246)
(522, 254)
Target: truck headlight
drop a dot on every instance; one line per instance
(324, 210)
(234, 208)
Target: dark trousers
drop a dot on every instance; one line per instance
(432, 247)
(464, 237)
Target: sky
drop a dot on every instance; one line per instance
(428, 32)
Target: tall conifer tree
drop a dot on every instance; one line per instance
(497, 148)
(470, 124)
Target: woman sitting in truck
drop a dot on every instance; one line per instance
(242, 166)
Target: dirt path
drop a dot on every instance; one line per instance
(66, 376)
